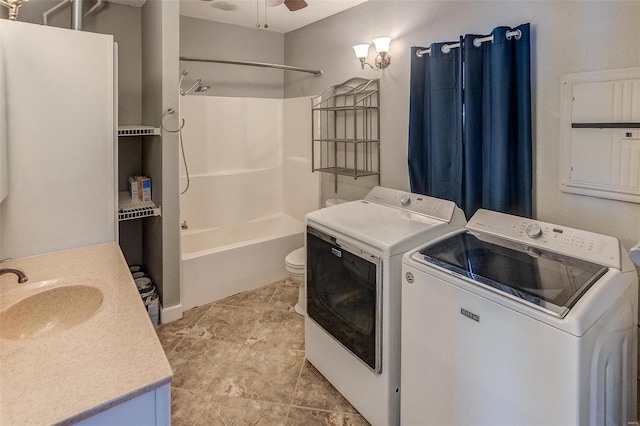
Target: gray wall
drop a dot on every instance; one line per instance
(566, 37)
(205, 39)
(123, 22)
(161, 238)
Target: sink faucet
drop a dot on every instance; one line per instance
(22, 278)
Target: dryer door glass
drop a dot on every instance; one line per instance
(545, 279)
(343, 294)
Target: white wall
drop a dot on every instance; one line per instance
(301, 185)
(4, 172)
(60, 131)
(4, 169)
(566, 37)
(234, 151)
(229, 134)
(248, 158)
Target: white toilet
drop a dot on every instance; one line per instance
(295, 265)
(294, 262)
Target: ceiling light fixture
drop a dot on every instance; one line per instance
(382, 60)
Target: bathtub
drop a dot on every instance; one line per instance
(220, 262)
(251, 184)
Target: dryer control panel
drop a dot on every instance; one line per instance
(597, 248)
(416, 203)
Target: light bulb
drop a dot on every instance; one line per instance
(362, 50)
(382, 44)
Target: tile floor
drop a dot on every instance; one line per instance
(240, 361)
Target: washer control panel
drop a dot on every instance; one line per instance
(533, 230)
(597, 248)
(415, 203)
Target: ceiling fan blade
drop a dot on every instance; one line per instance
(294, 5)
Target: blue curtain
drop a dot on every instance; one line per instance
(492, 143)
(435, 124)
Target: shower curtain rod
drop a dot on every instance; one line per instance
(251, 64)
(477, 42)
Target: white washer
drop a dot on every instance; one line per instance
(354, 259)
(516, 321)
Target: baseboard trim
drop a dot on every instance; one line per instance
(171, 313)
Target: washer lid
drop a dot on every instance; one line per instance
(546, 280)
(388, 229)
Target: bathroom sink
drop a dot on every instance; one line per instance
(49, 312)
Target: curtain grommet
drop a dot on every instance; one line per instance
(446, 48)
(516, 36)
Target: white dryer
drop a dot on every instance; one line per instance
(354, 259)
(516, 321)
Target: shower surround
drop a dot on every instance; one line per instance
(251, 184)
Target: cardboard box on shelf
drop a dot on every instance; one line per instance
(140, 188)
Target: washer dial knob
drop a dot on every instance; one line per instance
(405, 200)
(533, 230)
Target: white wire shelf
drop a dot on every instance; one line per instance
(133, 209)
(138, 131)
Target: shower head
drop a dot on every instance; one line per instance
(199, 89)
(184, 72)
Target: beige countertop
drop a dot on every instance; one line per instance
(109, 359)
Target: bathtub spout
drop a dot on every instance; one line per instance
(184, 225)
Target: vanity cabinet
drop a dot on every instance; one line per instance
(107, 368)
(149, 409)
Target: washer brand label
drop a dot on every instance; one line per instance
(336, 252)
(470, 315)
